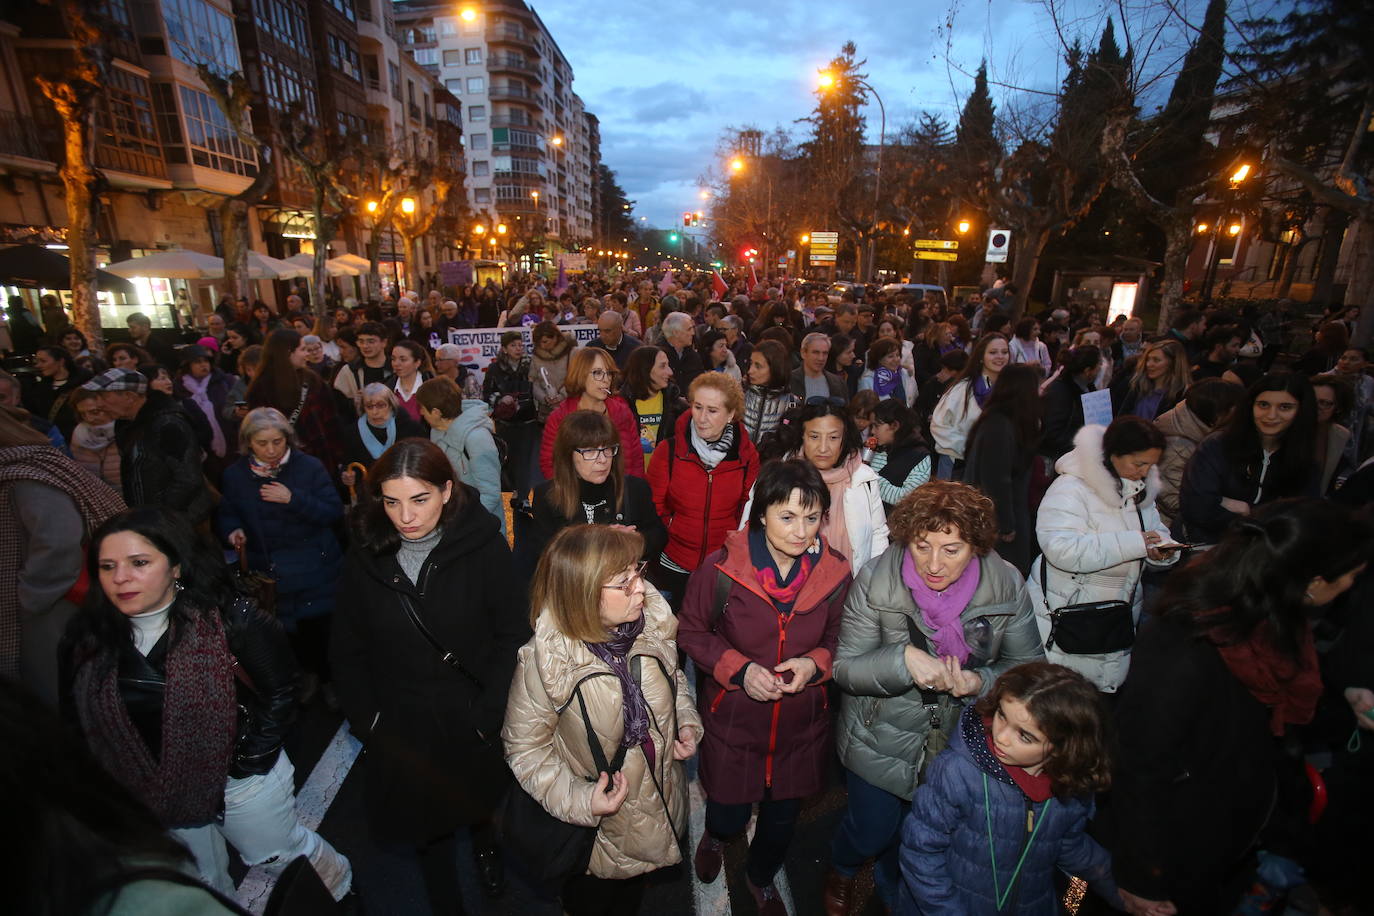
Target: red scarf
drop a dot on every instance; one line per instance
(1037, 788)
(1289, 687)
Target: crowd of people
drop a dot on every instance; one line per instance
(1043, 651)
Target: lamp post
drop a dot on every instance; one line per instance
(827, 80)
(1241, 171)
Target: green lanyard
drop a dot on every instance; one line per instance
(992, 847)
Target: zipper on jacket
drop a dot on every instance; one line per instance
(777, 709)
(706, 516)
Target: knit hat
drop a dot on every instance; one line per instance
(118, 380)
(209, 343)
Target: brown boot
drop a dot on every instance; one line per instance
(836, 895)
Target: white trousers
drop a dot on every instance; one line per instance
(260, 822)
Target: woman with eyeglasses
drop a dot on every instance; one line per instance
(603, 660)
(590, 486)
(701, 479)
(762, 622)
(591, 382)
(1335, 397)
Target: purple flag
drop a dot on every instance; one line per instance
(666, 283)
(561, 286)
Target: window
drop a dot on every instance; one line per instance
(453, 58)
(197, 31)
(447, 28)
(212, 142)
(481, 195)
(472, 55)
(284, 20)
(455, 86)
(343, 6)
(476, 84)
(343, 56)
(393, 72)
(477, 112)
(426, 57)
(477, 142)
(284, 85)
(481, 169)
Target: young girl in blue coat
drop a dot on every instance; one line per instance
(1007, 803)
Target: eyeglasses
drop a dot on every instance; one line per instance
(628, 587)
(595, 454)
(601, 374)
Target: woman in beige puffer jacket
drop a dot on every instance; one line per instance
(545, 739)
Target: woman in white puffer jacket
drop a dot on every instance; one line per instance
(1097, 529)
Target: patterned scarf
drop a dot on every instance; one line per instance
(93, 499)
(197, 388)
(268, 471)
(712, 453)
(615, 652)
(942, 611)
(782, 589)
(887, 381)
(182, 781)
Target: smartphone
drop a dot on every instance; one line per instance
(240, 403)
(1174, 545)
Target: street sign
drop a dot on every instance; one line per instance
(824, 247)
(940, 244)
(831, 237)
(936, 255)
(999, 240)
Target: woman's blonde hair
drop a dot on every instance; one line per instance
(1180, 374)
(568, 581)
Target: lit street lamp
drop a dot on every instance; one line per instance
(827, 80)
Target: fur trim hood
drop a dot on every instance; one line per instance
(559, 350)
(1086, 463)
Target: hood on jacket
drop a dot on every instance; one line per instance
(475, 415)
(1182, 422)
(970, 740)
(565, 343)
(832, 569)
(1086, 463)
(564, 661)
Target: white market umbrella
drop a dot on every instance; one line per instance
(176, 264)
(360, 264)
(334, 267)
(262, 266)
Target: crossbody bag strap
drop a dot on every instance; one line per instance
(929, 698)
(448, 657)
(594, 742)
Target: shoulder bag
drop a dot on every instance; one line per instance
(554, 850)
(1092, 627)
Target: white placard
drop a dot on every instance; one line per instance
(1097, 408)
(482, 345)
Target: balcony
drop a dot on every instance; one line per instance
(512, 63)
(21, 137)
(515, 119)
(414, 111)
(513, 92)
(511, 35)
(524, 179)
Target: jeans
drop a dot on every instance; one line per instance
(260, 821)
(772, 832)
(870, 829)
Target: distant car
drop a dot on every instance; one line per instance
(918, 291)
(837, 290)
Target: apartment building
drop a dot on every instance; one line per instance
(532, 149)
(169, 156)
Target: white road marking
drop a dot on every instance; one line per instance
(312, 802)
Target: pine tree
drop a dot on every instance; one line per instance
(977, 130)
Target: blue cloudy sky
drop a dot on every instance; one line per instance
(666, 76)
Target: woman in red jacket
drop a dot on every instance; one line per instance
(591, 379)
(767, 650)
(701, 477)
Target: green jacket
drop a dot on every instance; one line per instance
(883, 724)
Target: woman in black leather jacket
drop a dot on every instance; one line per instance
(184, 692)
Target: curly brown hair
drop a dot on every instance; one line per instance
(1068, 710)
(940, 505)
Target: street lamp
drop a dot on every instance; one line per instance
(827, 80)
(963, 226)
(372, 207)
(408, 205)
(737, 164)
(556, 139)
(468, 14)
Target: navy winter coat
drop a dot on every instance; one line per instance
(946, 861)
(293, 542)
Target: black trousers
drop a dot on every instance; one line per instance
(772, 832)
(588, 895)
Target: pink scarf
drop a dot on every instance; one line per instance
(942, 610)
(836, 532)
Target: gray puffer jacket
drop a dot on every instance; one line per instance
(883, 723)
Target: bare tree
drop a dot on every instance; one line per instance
(320, 159)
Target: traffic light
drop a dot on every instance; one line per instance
(672, 236)
(686, 219)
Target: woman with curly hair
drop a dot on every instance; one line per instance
(937, 611)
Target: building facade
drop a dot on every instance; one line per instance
(531, 148)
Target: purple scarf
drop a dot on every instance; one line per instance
(615, 652)
(941, 610)
(887, 381)
(981, 389)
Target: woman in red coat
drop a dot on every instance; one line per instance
(590, 381)
(701, 477)
(768, 650)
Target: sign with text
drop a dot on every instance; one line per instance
(455, 273)
(824, 247)
(481, 346)
(936, 255)
(938, 244)
(572, 263)
(1097, 408)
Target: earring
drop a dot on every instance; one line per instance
(1308, 595)
(176, 584)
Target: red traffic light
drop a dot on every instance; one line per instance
(687, 219)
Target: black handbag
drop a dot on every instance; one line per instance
(553, 850)
(1092, 627)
